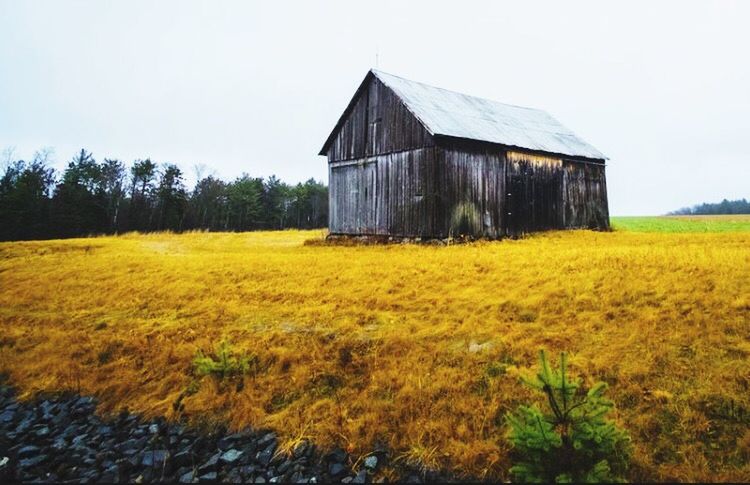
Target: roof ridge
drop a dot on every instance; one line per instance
(376, 72)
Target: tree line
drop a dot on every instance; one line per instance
(90, 197)
(739, 206)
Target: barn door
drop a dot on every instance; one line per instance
(367, 203)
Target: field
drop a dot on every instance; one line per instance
(413, 347)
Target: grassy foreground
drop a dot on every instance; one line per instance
(415, 347)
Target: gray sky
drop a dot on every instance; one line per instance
(662, 88)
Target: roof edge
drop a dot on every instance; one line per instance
(323, 151)
(439, 137)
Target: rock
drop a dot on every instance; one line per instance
(154, 458)
(247, 471)
(23, 426)
(187, 477)
(233, 476)
(27, 451)
(225, 443)
(183, 458)
(153, 429)
(208, 477)
(346, 480)
(266, 439)
(32, 462)
(371, 462)
(284, 466)
(264, 457)
(361, 477)
(7, 416)
(230, 456)
(210, 464)
(42, 432)
(78, 440)
(260, 480)
(337, 455)
(336, 469)
(300, 449)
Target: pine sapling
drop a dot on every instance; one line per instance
(571, 440)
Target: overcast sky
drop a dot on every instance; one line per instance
(662, 88)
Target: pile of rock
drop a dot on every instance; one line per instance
(63, 440)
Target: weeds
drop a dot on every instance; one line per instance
(224, 363)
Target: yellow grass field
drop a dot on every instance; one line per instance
(413, 347)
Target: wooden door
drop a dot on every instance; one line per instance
(367, 203)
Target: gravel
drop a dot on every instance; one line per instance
(64, 440)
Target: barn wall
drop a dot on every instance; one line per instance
(378, 123)
(534, 198)
(486, 191)
(470, 188)
(585, 192)
(392, 194)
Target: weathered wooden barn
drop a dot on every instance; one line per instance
(410, 160)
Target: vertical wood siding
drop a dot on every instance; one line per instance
(585, 194)
(378, 123)
(392, 194)
(534, 193)
(470, 188)
(441, 192)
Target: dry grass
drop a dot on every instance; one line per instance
(415, 347)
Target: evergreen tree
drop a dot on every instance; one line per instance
(244, 197)
(24, 198)
(79, 205)
(143, 174)
(171, 199)
(572, 441)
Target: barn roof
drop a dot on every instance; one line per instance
(452, 114)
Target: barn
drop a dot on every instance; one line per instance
(409, 160)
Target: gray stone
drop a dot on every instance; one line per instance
(346, 480)
(225, 443)
(7, 416)
(27, 451)
(299, 449)
(233, 476)
(260, 480)
(337, 454)
(155, 458)
(266, 439)
(183, 458)
(371, 462)
(284, 466)
(361, 477)
(208, 477)
(264, 457)
(78, 440)
(153, 429)
(336, 469)
(210, 464)
(230, 456)
(187, 477)
(31, 462)
(23, 426)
